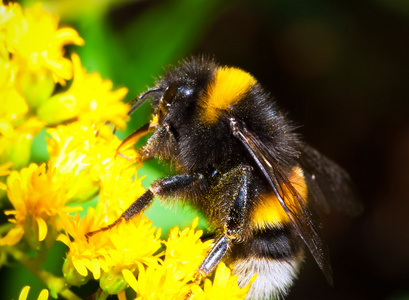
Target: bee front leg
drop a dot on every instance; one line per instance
(140, 204)
(162, 188)
(237, 217)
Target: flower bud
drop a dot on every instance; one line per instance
(35, 87)
(71, 274)
(58, 109)
(113, 282)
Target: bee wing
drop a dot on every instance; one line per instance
(330, 185)
(306, 224)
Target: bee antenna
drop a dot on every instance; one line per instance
(137, 102)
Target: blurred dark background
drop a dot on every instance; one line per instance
(341, 71)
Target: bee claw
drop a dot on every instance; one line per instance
(197, 278)
(91, 233)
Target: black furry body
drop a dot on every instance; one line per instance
(225, 167)
(201, 147)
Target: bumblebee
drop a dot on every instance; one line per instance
(239, 161)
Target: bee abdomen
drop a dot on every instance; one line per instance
(275, 255)
(274, 277)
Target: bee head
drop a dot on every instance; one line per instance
(175, 100)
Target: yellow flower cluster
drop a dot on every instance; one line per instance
(38, 197)
(83, 163)
(32, 64)
(174, 276)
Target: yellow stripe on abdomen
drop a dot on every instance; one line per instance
(227, 88)
(269, 212)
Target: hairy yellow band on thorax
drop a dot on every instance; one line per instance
(227, 88)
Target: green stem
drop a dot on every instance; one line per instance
(56, 285)
(101, 295)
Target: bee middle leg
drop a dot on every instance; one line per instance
(241, 178)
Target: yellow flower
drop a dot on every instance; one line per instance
(185, 250)
(158, 283)
(119, 189)
(31, 61)
(13, 106)
(37, 43)
(38, 196)
(224, 286)
(172, 277)
(90, 99)
(84, 255)
(7, 13)
(87, 151)
(107, 253)
(133, 242)
(16, 130)
(4, 170)
(127, 239)
(110, 251)
(24, 294)
(16, 142)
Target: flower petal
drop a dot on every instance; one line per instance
(13, 236)
(43, 295)
(222, 275)
(96, 269)
(69, 36)
(80, 267)
(24, 293)
(130, 278)
(42, 228)
(64, 239)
